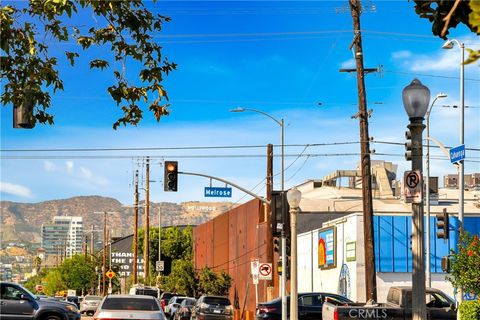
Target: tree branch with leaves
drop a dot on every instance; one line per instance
(30, 72)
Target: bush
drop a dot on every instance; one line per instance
(470, 310)
(465, 260)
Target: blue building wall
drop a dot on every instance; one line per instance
(393, 242)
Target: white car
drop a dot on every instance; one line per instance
(173, 305)
(130, 307)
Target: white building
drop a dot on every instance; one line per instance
(63, 236)
(331, 239)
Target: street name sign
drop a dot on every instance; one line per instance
(412, 186)
(265, 271)
(457, 154)
(218, 192)
(159, 266)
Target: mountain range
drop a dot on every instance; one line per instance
(22, 222)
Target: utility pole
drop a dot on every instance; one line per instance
(104, 260)
(268, 218)
(370, 272)
(92, 242)
(135, 226)
(146, 246)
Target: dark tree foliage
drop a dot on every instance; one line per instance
(436, 11)
(29, 70)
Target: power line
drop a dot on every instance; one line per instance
(429, 75)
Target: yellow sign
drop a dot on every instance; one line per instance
(110, 274)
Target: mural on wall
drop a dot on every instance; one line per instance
(344, 282)
(327, 242)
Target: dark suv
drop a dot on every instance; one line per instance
(17, 303)
(210, 307)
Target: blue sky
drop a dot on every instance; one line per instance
(279, 57)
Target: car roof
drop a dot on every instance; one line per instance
(129, 296)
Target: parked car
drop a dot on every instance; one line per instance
(398, 306)
(184, 311)
(73, 299)
(144, 290)
(132, 307)
(89, 304)
(164, 298)
(209, 307)
(17, 303)
(309, 306)
(172, 306)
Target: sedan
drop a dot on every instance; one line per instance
(130, 307)
(309, 306)
(184, 311)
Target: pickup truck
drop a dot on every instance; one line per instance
(398, 307)
(17, 303)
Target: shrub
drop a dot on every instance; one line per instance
(470, 310)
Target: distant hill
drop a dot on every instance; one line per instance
(22, 222)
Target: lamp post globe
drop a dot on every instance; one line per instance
(293, 197)
(416, 99)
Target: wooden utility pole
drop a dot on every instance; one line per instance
(135, 226)
(370, 273)
(146, 246)
(92, 243)
(104, 260)
(268, 219)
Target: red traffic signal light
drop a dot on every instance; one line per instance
(170, 179)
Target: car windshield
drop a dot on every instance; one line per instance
(130, 304)
(34, 296)
(217, 300)
(188, 302)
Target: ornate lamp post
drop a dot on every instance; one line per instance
(294, 196)
(416, 98)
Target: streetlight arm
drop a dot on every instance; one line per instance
(265, 114)
(442, 147)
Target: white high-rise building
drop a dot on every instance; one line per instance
(63, 236)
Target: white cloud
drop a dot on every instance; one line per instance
(88, 176)
(401, 54)
(445, 62)
(69, 165)
(15, 189)
(49, 166)
(350, 63)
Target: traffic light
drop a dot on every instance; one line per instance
(445, 264)
(170, 179)
(23, 114)
(408, 145)
(276, 245)
(287, 246)
(288, 267)
(443, 225)
(279, 205)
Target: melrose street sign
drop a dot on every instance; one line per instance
(457, 154)
(218, 192)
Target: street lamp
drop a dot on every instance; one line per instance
(416, 99)
(283, 281)
(461, 184)
(449, 44)
(440, 95)
(294, 196)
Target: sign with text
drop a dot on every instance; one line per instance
(327, 246)
(413, 186)
(159, 266)
(218, 192)
(457, 154)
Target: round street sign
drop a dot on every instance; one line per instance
(110, 274)
(265, 271)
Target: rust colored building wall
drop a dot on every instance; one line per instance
(237, 238)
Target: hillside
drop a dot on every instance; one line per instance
(21, 222)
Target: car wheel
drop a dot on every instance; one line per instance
(52, 317)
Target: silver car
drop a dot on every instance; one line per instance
(89, 304)
(129, 307)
